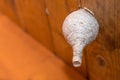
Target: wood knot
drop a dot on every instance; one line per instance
(100, 61)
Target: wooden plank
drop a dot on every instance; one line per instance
(58, 10)
(103, 55)
(32, 16)
(72, 5)
(8, 8)
(22, 58)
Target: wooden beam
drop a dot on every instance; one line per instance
(103, 55)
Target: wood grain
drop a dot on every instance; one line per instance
(103, 55)
(22, 58)
(8, 8)
(58, 10)
(32, 16)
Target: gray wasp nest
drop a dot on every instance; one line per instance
(80, 28)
